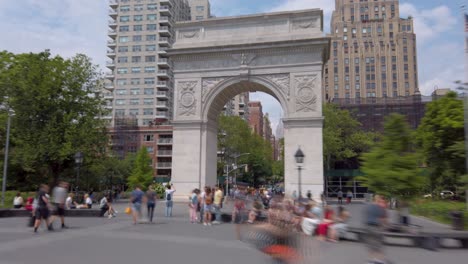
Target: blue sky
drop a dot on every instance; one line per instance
(68, 27)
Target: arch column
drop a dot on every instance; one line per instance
(305, 133)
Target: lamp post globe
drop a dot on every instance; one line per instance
(299, 156)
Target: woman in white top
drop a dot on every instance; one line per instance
(18, 201)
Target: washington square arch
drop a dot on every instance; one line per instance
(281, 54)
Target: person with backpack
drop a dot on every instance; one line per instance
(193, 205)
(208, 207)
(150, 202)
(169, 203)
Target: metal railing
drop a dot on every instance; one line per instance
(164, 152)
(165, 141)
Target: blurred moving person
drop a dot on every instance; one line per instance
(18, 201)
(339, 228)
(376, 220)
(208, 207)
(42, 211)
(88, 201)
(150, 202)
(193, 205)
(340, 197)
(169, 202)
(349, 197)
(136, 200)
(60, 195)
(217, 205)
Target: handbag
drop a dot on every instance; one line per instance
(128, 210)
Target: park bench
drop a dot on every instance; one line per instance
(461, 236)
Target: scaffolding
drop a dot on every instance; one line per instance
(124, 136)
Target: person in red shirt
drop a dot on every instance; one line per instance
(328, 220)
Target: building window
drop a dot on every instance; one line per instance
(136, 59)
(384, 85)
(138, 18)
(346, 61)
(135, 81)
(407, 85)
(151, 17)
(150, 37)
(335, 53)
(356, 69)
(345, 37)
(120, 91)
(406, 67)
(347, 78)
(336, 86)
(136, 69)
(120, 102)
(150, 47)
(138, 8)
(336, 78)
(124, 8)
(357, 86)
(119, 112)
(123, 48)
(357, 77)
(384, 68)
(393, 67)
(149, 80)
(405, 58)
(137, 27)
(394, 85)
(148, 101)
(137, 38)
(136, 48)
(347, 69)
(146, 122)
(356, 60)
(124, 18)
(150, 69)
(406, 76)
(122, 70)
(148, 111)
(200, 8)
(152, 6)
(123, 39)
(121, 82)
(150, 58)
(134, 101)
(134, 112)
(122, 60)
(335, 44)
(151, 27)
(335, 62)
(347, 86)
(135, 91)
(124, 29)
(148, 91)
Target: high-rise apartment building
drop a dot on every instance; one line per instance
(238, 106)
(200, 9)
(373, 52)
(141, 79)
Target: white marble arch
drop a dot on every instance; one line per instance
(209, 69)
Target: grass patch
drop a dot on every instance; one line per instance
(439, 211)
(10, 195)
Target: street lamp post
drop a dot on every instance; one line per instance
(235, 164)
(5, 163)
(78, 162)
(299, 156)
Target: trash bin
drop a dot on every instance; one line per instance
(457, 220)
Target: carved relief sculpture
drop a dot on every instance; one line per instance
(187, 100)
(195, 33)
(282, 80)
(208, 84)
(244, 58)
(306, 99)
(305, 24)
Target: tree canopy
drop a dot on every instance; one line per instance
(57, 113)
(392, 167)
(142, 173)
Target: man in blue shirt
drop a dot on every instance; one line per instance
(136, 199)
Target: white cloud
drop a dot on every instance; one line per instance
(429, 23)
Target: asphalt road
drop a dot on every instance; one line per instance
(171, 241)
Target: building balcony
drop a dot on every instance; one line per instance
(164, 31)
(164, 74)
(113, 3)
(162, 51)
(162, 85)
(165, 10)
(165, 141)
(162, 105)
(110, 76)
(164, 153)
(112, 23)
(162, 95)
(164, 42)
(162, 114)
(111, 53)
(165, 20)
(108, 96)
(111, 43)
(163, 165)
(109, 86)
(110, 64)
(165, 3)
(113, 13)
(162, 62)
(108, 107)
(112, 33)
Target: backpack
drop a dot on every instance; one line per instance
(169, 197)
(209, 200)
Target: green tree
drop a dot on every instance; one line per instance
(392, 167)
(142, 173)
(110, 171)
(343, 138)
(57, 112)
(440, 138)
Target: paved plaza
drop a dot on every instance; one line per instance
(171, 241)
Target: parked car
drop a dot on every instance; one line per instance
(447, 194)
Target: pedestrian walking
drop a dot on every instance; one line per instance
(208, 207)
(169, 202)
(42, 211)
(376, 220)
(60, 195)
(103, 205)
(218, 204)
(150, 202)
(88, 201)
(136, 200)
(193, 205)
(340, 197)
(349, 196)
